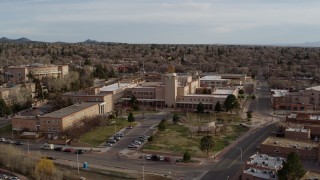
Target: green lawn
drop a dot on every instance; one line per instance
(177, 139)
(100, 134)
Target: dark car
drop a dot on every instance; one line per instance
(79, 151)
(155, 157)
(58, 149)
(19, 143)
(112, 141)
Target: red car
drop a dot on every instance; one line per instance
(67, 150)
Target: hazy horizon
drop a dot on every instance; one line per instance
(163, 22)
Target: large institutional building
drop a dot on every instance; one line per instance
(182, 91)
(20, 73)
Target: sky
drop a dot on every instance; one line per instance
(163, 21)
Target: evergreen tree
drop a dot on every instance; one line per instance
(131, 117)
(218, 108)
(231, 103)
(206, 143)
(292, 168)
(175, 118)
(186, 156)
(200, 108)
(162, 125)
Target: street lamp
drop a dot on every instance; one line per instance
(240, 152)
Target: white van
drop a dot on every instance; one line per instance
(47, 146)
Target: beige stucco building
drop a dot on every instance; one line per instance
(20, 73)
(178, 91)
(91, 95)
(59, 120)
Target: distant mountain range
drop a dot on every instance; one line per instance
(89, 41)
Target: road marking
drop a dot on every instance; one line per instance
(248, 148)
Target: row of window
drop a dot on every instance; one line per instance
(143, 93)
(201, 100)
(51, 122)
(53, 129)
(278, 152)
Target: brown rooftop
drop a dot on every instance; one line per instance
(70, 110)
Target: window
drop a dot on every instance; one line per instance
(53, 129)
(49, 128)
(277, 151)
(48, 121)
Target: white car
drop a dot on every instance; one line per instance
(148, 157)
(161, 158)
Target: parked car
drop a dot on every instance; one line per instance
(10, 142)
(112, 141)
(2, 139)
(129, 127)
(131, 146)
(117, 138)
(119, 135)
(154, 157)
(109, 144)
(79, 151)
(47, 146)
(67, 150)
(146, 136)
(161, 158)
(19, 143)
(137, 142)
(141, 140)
(49, 157)
(148, 157)
(142, 137)
(58, 149)
(168, 159)
(14, 178)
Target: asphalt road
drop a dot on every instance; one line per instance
(231, 163)
(262, 104)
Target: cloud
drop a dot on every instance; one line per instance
(210, 17)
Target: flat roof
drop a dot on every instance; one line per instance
(266, 161)
(210, 78)
(297, 130)
(279, 92)
(115, 86)
(263, 174)
(289, 143)
(316, 88)
(224, 91)
(83, 94)
(70, 110)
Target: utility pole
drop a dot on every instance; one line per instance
(28, 145)
(143, 171)
(77, 152)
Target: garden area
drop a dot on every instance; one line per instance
(178, 138)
